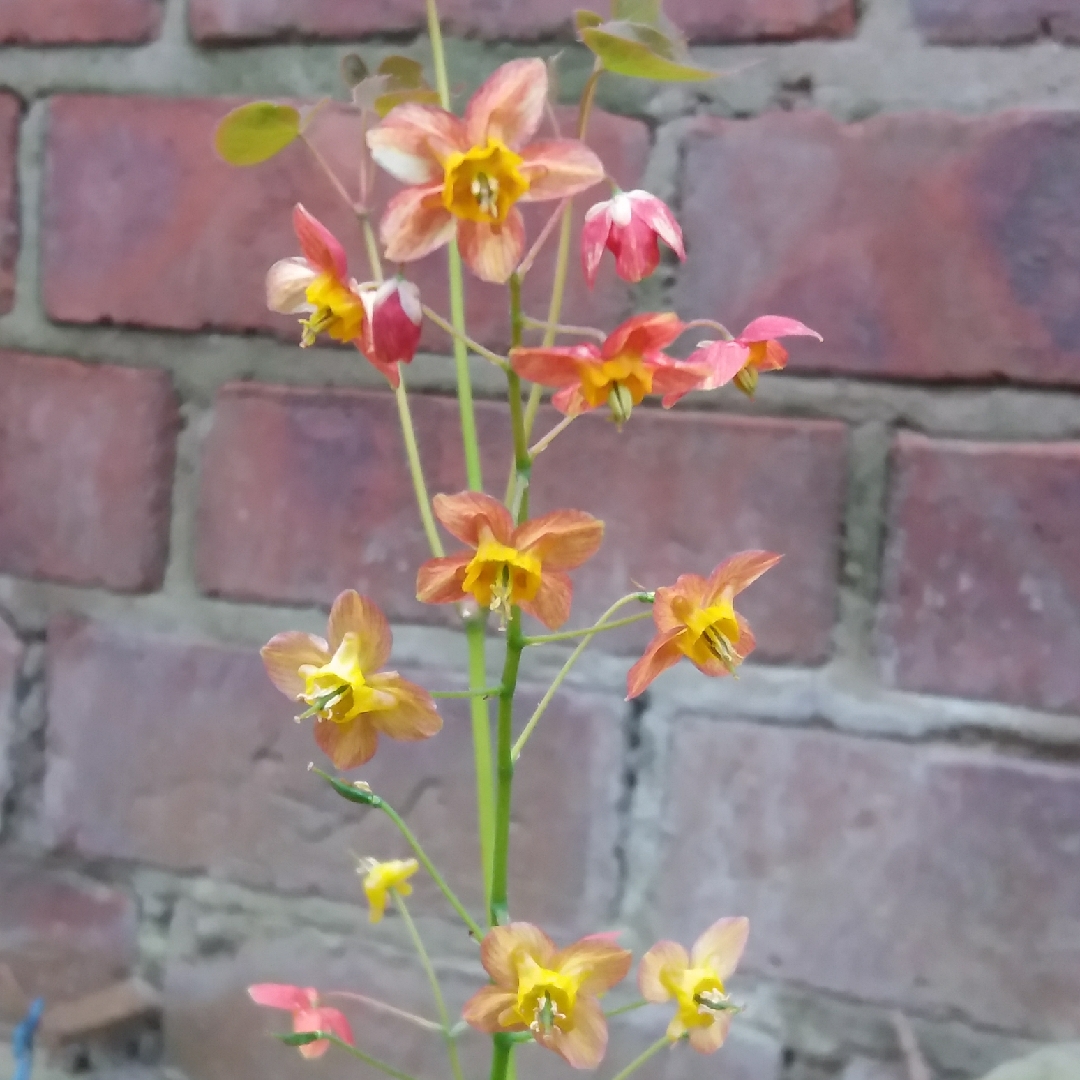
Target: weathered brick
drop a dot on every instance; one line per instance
(921, 245)
(982, 593)
(9, 206)
(86, 462)
(995, 22)
(306, 492)
(923, 876)
(61, 935)
(144, 226)
(11, 656)
(703, 20)
(78, 22)
(215, 779)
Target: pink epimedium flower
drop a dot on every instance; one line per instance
(307, 1014)
(467, 175)
(394, 316)
(630, 225)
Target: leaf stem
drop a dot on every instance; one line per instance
(475, 636)
(486, 692)
(475, 346)
(636, 1064)
(332, 176)
(597, 628)
(384, 1007)
(560, 328)
(551, 436)
(367, 1059)
(416, 469)
(632, 1007)
(372, 246)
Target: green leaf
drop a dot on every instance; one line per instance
(385, 102)
(397, 81)
(299, 1038)
(642, 53)
(649, 12)
(586, 20)
(256, 132)
(402, 73)
(353, 70)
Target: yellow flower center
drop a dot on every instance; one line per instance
(545, 998)
(483, 183)
(622, 383)
(338, 312)
(700, 996)
(712, 632)
(338, 691)
(500, 576)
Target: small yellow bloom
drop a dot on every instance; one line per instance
(382, 878)
(483, 183)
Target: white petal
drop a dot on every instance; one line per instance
(287, 282)
(408, 168)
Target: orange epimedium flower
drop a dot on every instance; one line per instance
(466, 176)
(307, 1013)
(509, 565)
(339, 681)
(695, 981)
(551, 992)
(696, 618)
(630, 365)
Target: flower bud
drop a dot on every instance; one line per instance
(394, 315)
(630, 225)
(621, 402)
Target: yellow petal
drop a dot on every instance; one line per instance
(659, 967)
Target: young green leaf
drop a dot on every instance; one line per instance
(586, 20)
(641, 52)
(256, 132)
(640, 11)
(353, 70)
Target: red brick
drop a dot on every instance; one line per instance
(306, 492)
(983, 22)
(9, 206)
(704, 20)
(921, 245)
(927, 877)
(78, 22)
(215, 779)
(144, 226)
(61, 935)
(982, 593)
(86, 462)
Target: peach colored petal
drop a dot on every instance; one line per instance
(483, 1009)
(559, 168)
(665, 960)
(551, 604)
(562, 540)
(747, 643)
(721, 946)
(723, 360)
(287, 283)
(769, 356)
(319, 245)
(597, 962)
(416, 223)
(707, 1040)
(348, 745)
(571, 401)
(493, 250)
(583, 1046)
(675, 378)
(414, 140)
(283, 996)
(413, 717)
(644, 334)
(662, 652)
(510, 105)
(555, 367)
(689, 589)
(439, 581)
(464, 515)
(283, 656)
(503, 944)
(736, 573)
(767, 327)
(321, 1019)
(353, 613)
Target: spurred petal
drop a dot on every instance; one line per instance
(414, 715)
(463, 516)
(688, 589)
(284, 654)
(597, 963)
(493, 250)
(559, 168)
(594, 238)
(768, 327)
(347, 745)
(644, 334)
(723, 360)
(664, 961)
(416, 223)
(736, 573)
(356, 614)
(721, 946)
(483, 1009)
(414, 140)
(319, 245)
(510, 105)
(283, 996)
(583, 1046)
(658, 216)
(561, 540)
(287, 283)
(661, 653)
(747, 643)
(636, 250)
(551, 604)
(439, 581)
(394, 316)
(674, 378)
(555, 367)
(707, 1040)
(503, 944)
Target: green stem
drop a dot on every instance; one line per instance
(570, 635)
(486, 692)
(461, 363)
(483, 766)
(367, 1059)
(518, 489)
(433, 979)
(502, 1058)
(632, 1007)
(438, 53)
(546, 700)
(372, 245)
(412, 452)
(636, 1064)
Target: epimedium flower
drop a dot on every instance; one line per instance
(630, 225)
(551, 992)
(339, 681)
(696, 982)
(630, 365)
(383, 878)
(393, 322)
(523, 565)
(696, 618)
(467, 176)
(307, 1014)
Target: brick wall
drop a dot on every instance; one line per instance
(891, 790)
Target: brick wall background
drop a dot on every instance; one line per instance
(892, 792)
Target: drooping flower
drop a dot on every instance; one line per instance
(552, 993)
(741, 361)
(394, 316)
(696, 982)
(383, 878)
(340, 683)
(696, 618)
(468, 175)
(307, 1014)
(523, 565)
(630, 225)
(620, 373)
